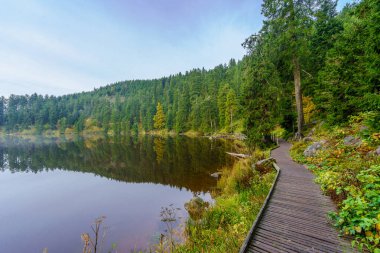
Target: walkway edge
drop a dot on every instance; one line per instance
(261, 212)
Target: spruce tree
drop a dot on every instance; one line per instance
(289, 22)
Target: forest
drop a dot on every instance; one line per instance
(310, 71)
(186, 102)
(308, 62)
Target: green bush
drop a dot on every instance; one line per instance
(350, 174)
(359, 213)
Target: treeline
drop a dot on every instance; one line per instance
(307, 62)
(198, 100)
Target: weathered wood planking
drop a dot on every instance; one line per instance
(295, 217)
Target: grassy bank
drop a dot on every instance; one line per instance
(348, 169)
(224, 226)
(217, 228)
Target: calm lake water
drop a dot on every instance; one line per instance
(51, 191)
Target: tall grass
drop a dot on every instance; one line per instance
(224, 225)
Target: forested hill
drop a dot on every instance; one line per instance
(198, 100)
(307, 62)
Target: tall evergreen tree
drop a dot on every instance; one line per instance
(231, 108)
(222, 97)
(262, 89)
(290, 22)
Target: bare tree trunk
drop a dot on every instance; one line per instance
(298, 94)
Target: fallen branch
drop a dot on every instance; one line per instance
(238, 155)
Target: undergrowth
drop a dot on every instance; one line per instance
(350, 174)
(224, 226)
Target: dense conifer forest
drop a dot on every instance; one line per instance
(305, 51)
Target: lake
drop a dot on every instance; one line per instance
(51, 191)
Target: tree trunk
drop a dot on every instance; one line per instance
(298, 94)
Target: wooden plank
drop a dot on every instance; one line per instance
(300, 238)
(312, 242)
(290, 244)
(267, 245)
(304, 232)
(295, 217)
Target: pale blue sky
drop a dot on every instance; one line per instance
(59, 47)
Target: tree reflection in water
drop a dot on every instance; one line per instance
(175, 161)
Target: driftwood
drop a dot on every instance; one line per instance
(238, 155)
(266, 165)
(216, 174)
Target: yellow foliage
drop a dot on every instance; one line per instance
(159, 149)
(89, 122)
(278, 132)
(159, 118)
(308, 108)
(376, 136)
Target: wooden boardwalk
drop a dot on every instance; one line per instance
(295, 219)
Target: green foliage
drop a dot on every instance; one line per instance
(338, 56)
(350, 174)
(359, 213)
(189, 102)
(262, 92)
(222, 97)
(276, 56)
(349, 72)
(372, 119)
(231, 108)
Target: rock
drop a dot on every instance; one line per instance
(195, 207)
(351, 141)
(266, 165)
(216, 174)
(311, 150)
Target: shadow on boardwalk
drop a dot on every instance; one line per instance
(295, 219)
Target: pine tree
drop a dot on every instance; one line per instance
(222, 97)
(231, 108)
(290, 22)
(183, 111)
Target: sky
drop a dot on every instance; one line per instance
(61, 47)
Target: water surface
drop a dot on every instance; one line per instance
(51, 191)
